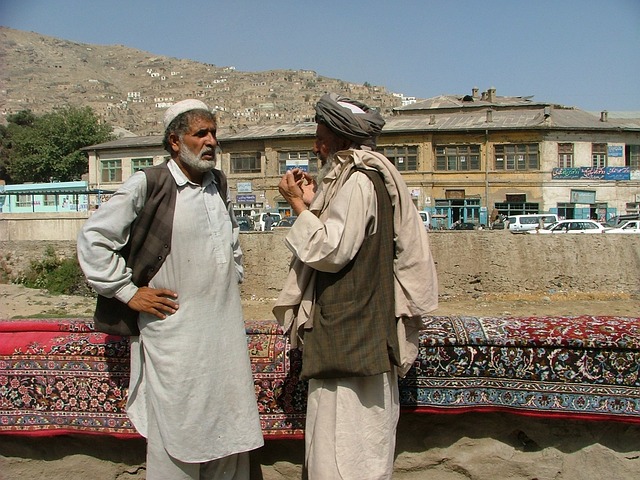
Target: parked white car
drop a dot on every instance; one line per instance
(630, 226)
(570, 226)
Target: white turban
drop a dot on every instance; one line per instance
(179, 108)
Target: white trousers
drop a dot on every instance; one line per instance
(162, 466)
(351, 424)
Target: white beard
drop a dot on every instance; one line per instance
(195, 161)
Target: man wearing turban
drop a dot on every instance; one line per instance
(361, 278)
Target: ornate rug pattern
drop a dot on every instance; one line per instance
(59, 376)
(576, 367)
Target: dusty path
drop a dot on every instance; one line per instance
(18, 301)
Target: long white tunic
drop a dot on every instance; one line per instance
(192, 367)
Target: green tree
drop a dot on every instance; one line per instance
(15, 121)
(48, 147)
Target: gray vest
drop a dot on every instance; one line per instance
(354, 325)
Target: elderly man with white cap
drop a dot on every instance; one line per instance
(166, 247)
(361, 277)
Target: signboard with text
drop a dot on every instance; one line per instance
(245, 199)
(591, 173)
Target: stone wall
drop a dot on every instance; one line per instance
(467, 262)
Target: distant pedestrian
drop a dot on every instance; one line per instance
(268, 222)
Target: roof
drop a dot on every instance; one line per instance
(41, 187)
(538, 118)
(467, 101)
(534, 117)
(128, 142)
(57, 192)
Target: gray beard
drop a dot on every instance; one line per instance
(195, 161)
(326, 168)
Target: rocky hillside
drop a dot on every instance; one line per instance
(129, 88)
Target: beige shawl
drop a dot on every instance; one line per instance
(415, 282)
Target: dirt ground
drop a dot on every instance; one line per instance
(18, 301)
(473, 442)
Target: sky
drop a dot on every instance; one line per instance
(582, 53)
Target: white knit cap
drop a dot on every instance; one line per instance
(183, 106)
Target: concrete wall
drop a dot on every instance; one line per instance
(467, 262)
(42, 226)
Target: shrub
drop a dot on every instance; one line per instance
(56, 275)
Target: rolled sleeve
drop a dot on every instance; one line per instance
(104, 234)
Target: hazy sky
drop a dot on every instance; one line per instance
(583, 53)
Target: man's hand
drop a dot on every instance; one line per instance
(156, 301)
(297, 188)
(307, 184)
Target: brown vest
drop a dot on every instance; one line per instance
(147, 248)
(354, 325)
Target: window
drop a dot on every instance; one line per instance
(458, 157)
(598, 155)
(516, 157)
(566, 210)
(632, 157)
(511, 207)
(111, 170)
(305, 160)
(565, 155)
(138, 164)
(24, 200)
(49, 200)
(404, 158)
(245, 162)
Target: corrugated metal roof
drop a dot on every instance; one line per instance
(291, 130)
(443, 102)
(128, 142)
(535, 117)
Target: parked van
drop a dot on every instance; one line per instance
(258, 220)
(522, 223)
(426, 219)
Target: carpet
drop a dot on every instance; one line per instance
(58, 376)
(574, 367)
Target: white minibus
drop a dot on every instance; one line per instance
(522, 223)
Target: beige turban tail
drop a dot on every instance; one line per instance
(350, 119)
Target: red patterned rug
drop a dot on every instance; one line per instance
(59, 376)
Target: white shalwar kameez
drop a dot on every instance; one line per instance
(191, 369)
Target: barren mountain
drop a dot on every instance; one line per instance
(129, 88)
